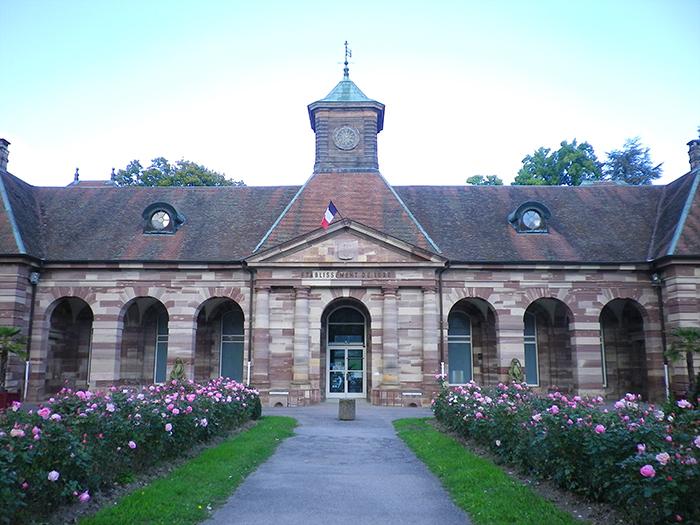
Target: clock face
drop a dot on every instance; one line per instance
(160, 220)
(346, 138)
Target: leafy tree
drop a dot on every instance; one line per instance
(162, 173)
(10, 343)
(631, 164)
(570, 165)
(686, 342)
(485, 180)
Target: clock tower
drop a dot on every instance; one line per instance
(346, 123)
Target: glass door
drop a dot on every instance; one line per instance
(346, 372)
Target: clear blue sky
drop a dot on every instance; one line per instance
(470, 87)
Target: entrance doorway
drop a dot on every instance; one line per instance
(346, 375)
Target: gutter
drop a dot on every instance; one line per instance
(251, 295)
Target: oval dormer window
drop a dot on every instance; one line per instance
(161, 217)
(532, 220)
(530, 217)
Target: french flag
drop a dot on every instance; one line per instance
(329, 215)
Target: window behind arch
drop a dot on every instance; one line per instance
(459, 348)
(346, 325)
(232, 345)
(531, 358)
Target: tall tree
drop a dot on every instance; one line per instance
(570, 165)
(631, 164)
(163, 173)
(485, 180)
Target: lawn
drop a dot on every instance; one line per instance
(186, 495)
(483, 490)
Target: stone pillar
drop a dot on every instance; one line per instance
(431, 335)
(261, 338)
(105, 351)
(300, 376)
(511, 340)
(586, 356)
(182, 329)
(390, 338)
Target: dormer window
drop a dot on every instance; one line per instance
(530, 217)
(161, 218)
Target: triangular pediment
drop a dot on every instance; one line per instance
(346, 242)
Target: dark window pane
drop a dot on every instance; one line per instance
(346, 333)
(530, 324)
(163, 323)
(337, 382)
(458, 324)
(232, 323)
(161, 362)
(346, 315)
(355, 382)
(337, 361)
(531, 376)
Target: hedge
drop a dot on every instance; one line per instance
(81, 441)
(640, 458)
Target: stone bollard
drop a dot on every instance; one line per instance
(346, 409)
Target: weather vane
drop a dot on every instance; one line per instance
(348, 54)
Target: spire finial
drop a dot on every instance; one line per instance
(348, 54)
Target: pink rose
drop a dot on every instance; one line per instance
(599, 429)
(132, 445)
(663, 458)
(554, 409)
(684, 404)
(204, 422)
(84, 497)
(647, 471)
(17, 432)
(44, 412)
(176, 411)
(641, 448)
(696, 441)
(168, 427)
(53, 475)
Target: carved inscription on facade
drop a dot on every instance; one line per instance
(347, 274)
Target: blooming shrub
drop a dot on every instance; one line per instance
(642, 459)
(80, 441)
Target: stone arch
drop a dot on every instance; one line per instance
(219, 339)
(471, 341)
(547, 344)
(144, 341)
(623, 344)
(339, 302)
(69, 344)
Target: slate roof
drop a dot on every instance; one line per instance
(364, 197)
(592, 224)
(599, 223)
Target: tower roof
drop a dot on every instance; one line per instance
(346, 91)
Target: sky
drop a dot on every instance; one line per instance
(470, 87)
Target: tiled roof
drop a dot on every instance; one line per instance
(363, 197)
(346, 91)
(588, 224)
(594, 224)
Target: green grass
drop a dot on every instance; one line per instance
(483, 490)
(182, 496)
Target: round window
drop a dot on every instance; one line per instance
(160, 220)
(532, 220)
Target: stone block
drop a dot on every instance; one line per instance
(346, 410)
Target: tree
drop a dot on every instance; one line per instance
(570, 165)
(631, 164)
(485, 180)
(10, 343)
(686, 342)
(162, 173)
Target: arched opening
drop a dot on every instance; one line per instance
(70, 337)
(471, 343)
(548, 345)
(144, 350)
(219, 341)
(345, 350)
(623, 349)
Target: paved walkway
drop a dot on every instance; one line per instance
(341, 472)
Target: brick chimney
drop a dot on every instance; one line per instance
(4, 154)
(694, 154)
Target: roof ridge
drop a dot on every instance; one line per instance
(284, 212)
(11, 215)
(410, 214)
(684, 213)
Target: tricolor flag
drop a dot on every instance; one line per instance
(329, 215)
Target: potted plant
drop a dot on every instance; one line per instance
(10, 343)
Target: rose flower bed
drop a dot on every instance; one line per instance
(81, 441)
(639, 458)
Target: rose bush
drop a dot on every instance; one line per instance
(642, 459)
(80, 441)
